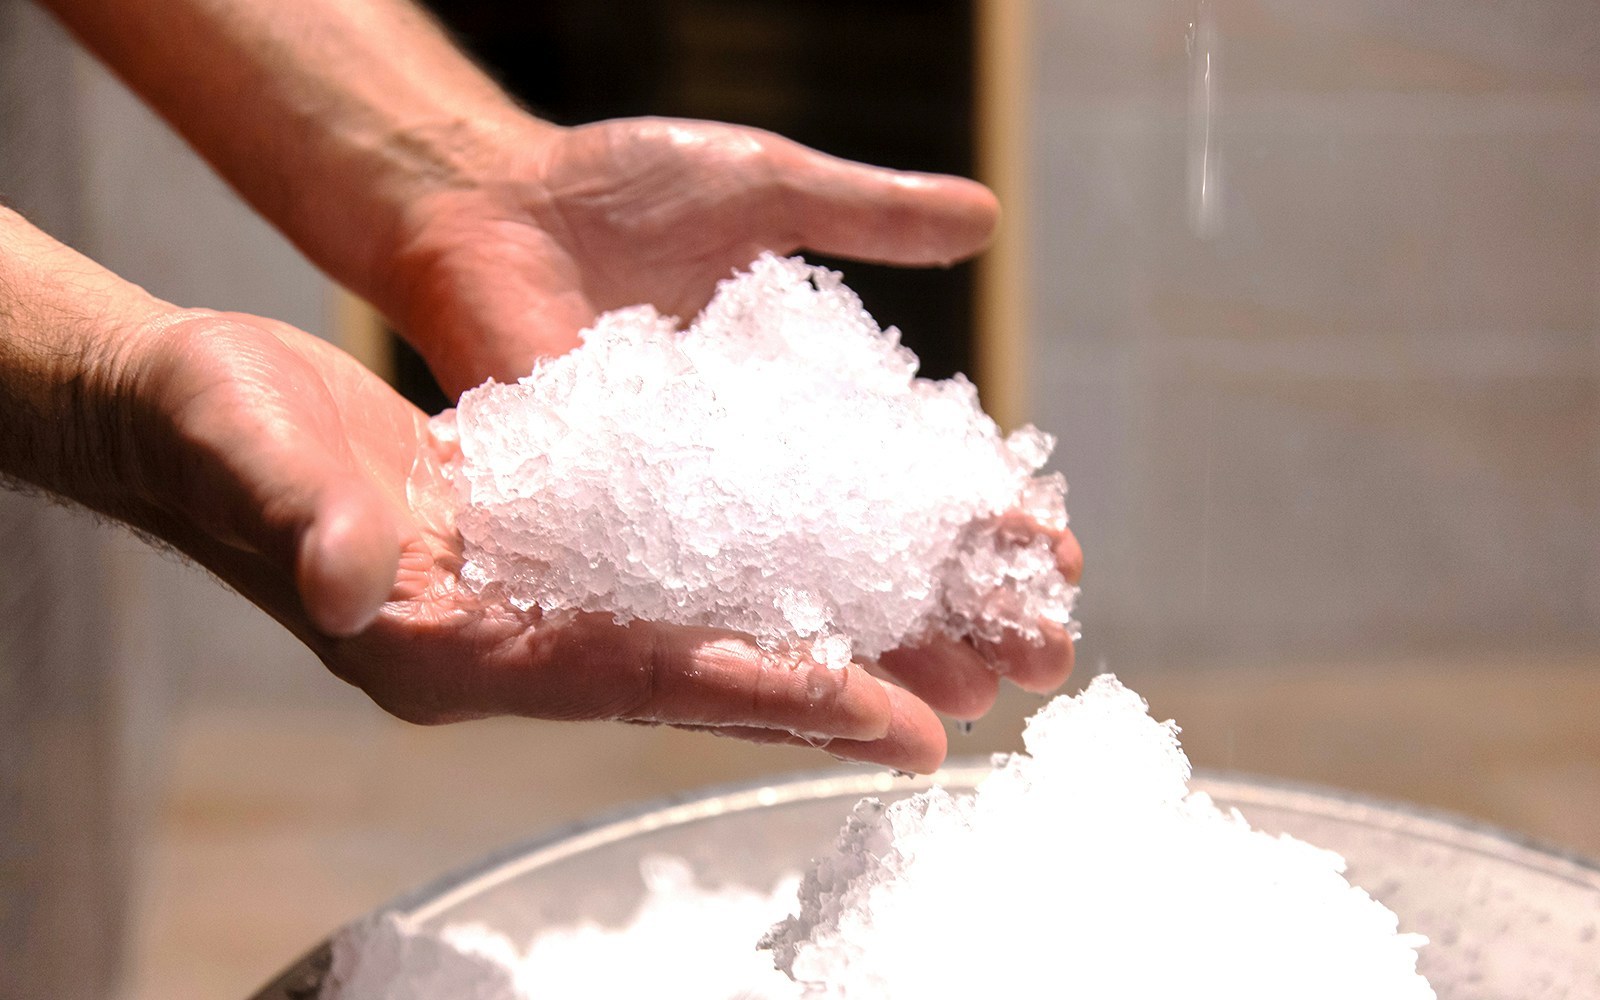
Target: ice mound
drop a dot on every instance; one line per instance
(776, 468)
(1081, 869)
(1084, 868)
(685, 941)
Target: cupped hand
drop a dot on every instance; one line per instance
(306, 483)
(511, 259)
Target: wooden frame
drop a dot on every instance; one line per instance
(361, 332)
(1001, 324)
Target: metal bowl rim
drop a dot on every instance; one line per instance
(1233, 788)
(303, 978)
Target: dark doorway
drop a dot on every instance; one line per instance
(882, 81)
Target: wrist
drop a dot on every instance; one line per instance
(439, 180)
(111, 447)
(71, 337)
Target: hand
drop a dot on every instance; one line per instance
(509, 262)
(306, 483)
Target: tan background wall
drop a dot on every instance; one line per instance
(1332, 436)
(1350, 404)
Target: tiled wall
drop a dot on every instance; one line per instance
(1343, 401)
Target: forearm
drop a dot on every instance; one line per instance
(334, 118)
(272, 458)
(67, 330)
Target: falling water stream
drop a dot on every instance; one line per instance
(1205, 210)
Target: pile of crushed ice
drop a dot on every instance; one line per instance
(1083, 868)
(777, 468)
(683, 941)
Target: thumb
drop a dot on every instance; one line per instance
(346, 558)
(253, 454)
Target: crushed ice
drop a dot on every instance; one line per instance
(776, 468)
(1085, 868)
(684, 940)
(1082, 868)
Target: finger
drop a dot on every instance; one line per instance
(1038, 667)
(347, 559)
(915, 742)
(848, 209)
(950, 676)
(1023, 527)
(593, 668)
(1069, 558)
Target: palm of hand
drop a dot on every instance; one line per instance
(648, 210)
(300, 472)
